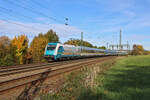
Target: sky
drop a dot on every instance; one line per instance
(99, 20)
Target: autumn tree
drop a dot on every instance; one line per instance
(4, 46)
(148, 52)
(38, 47)
(6, 56)
(20, 43)
(51, 36)
(137, 50)
(102, 47)
(78, 42)
(95, 47)
(39, 43)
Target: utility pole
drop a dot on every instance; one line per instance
(128, 46)
(107, 45)
(81, 40)
(120, 42)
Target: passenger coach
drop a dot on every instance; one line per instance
(58, 51)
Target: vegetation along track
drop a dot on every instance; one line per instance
(7, 83)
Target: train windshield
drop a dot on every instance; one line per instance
(51, 47)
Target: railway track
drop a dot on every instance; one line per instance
(8, 82)
(26, 68)
(15, 66)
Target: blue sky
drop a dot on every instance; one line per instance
(100, 20)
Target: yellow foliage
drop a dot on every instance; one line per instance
(37, 47)
(21, 45)
(138, 50)
(78, 43)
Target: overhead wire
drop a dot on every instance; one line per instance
(28, 9)
(33, 28)
(40, 5)
(12, 11)
(19, 24)
(22, 25)
(33, 11)
(46, 8)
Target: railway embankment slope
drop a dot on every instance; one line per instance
(26, 82)
(126, 79)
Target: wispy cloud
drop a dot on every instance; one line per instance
(116, 5)
(139, 37)
(11, 30)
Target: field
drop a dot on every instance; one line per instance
(127, 79)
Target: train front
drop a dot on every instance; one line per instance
(50, 51)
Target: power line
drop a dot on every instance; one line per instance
(33, 11)
(19, 24)
(15, 22)
(29, 9)
(42, 6)
(9, 10)
(37, 3)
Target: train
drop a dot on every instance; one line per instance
(58, 51)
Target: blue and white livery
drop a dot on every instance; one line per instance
(58, 51)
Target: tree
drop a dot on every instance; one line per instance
(37, 48)
(102, 47)
(138, 50)
(149, 52)
(6, 54)
(135, 50)
(51, 36)
(95, 47)
(4, 46)
(39, 43)
(21, 45)
(78, 42)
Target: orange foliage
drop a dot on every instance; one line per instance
(21, 45)
(37, 47)
(138, 50)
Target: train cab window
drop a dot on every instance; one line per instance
(60, 48)
(51, 47)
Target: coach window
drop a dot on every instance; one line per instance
(61, 48)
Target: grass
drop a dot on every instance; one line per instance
(69, 90)
(128, 79)
(78, 84)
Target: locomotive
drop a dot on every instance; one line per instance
(58, 51)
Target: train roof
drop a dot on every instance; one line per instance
(83, 47)
(55, 43)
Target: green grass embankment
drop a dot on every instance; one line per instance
(128, 79)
